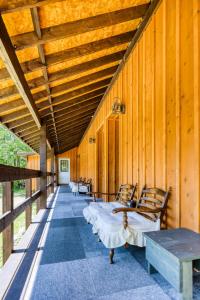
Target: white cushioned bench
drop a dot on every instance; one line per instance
(117, 224)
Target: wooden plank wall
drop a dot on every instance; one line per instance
(159, 134)
(33, 162)
(72, 155)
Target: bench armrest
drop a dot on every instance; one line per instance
(101, 193)
(140, 210)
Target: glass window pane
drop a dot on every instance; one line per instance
(64, 166)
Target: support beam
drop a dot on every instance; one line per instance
(43, 166)
(52, 169)
(28, 210)
(68, 117)
(72, 53)
(36, 24)
(7, 6)
(79, 107)
(74, 121)
(79, 26)
(11, 62)
(65, 73)
(8, 232)
(96, 86)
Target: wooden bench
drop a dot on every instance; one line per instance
(173, 253)
(117, 224)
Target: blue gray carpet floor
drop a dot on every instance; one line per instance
(75, 266)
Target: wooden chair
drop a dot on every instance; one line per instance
(85, 187)
(125, 194)
(151, 205)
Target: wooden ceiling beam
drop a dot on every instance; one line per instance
(69, 147)
(72, 137)
(71, 134)
(71, 110)
(70, 122)
(77, 69)
(72, 53)
(31, 133)
(24, 127)
(19, 103)
(36, 24)
(15, 115)
(19, 122)
(25, 130)
(20, 114)
(69, 115)
(67, 118)
(77, 27)
(8, 6)
(11, 62)
(65, 73)
(71, 127)
(69, 141)
(95, 95)
(66, 97)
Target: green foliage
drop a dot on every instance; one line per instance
(10, 148)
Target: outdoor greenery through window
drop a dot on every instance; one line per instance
(13, 153)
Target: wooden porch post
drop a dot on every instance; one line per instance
(37, 189)
(29, 208)
(56, 167)
(8, 232)
(52, 169)
(43, 166)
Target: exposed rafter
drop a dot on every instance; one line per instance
(72, 53)
(11, 62)
(7, 6)
(78, 27)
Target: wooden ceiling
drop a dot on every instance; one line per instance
(57, 61)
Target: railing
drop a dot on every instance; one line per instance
(7, 176)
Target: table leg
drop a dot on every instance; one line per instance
(187, 280)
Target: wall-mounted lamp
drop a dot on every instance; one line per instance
(118, 107)
(92, 140)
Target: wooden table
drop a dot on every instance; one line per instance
(173, 253)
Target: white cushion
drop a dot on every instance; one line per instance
(92, 211)
(75, 188)
(110, 227)
(83, 189)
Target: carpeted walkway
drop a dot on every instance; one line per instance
(75, 266)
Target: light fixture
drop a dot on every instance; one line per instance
(92, 140)
(118, 107)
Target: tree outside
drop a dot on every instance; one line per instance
(12, 153)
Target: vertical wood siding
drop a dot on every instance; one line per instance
(72, 155)
(159, 133)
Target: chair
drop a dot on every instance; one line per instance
(126, 225)
(85, 187)
(123, 198)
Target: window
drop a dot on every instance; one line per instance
(64, 165)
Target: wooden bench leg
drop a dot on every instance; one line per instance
(187, 281)
(111, 255)
(151, 269)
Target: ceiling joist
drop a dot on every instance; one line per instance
(77, 27)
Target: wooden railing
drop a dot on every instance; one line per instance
(7, 176)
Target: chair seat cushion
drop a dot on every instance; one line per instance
(74, 188)
(83, 189)
(95, 208)
(110, 227)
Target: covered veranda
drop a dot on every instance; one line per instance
(106, 94)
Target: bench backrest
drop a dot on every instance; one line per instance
(153, 198)
(126, 193)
